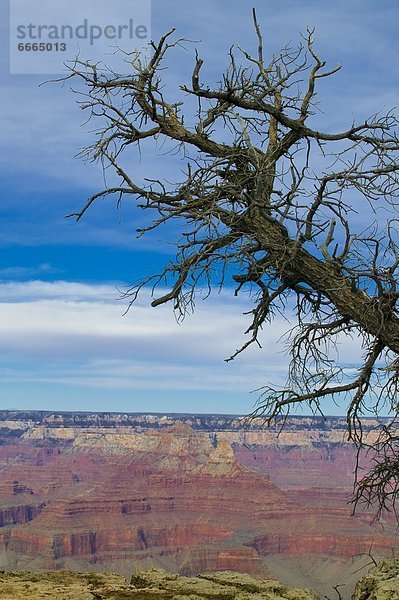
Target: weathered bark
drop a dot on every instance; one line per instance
(291, 260)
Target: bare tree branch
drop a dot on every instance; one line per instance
(271, 209)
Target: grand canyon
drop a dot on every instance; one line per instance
(186, 493)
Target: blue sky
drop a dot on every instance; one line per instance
(65, 343)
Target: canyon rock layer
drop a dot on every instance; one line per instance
(190, 494)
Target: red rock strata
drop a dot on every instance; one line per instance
(125, 497)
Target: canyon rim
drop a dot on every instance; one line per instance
(186, 493)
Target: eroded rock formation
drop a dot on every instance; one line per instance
(381, 583)
(188, 494)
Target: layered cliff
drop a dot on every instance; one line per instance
(186, 493)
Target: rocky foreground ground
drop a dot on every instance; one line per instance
(382, 583)
(148, 585)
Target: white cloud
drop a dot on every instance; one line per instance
(50, 319)
(72, 333)
(18, 272)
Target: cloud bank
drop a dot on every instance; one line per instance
(73, 334)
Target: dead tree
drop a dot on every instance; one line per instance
(269, 202)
